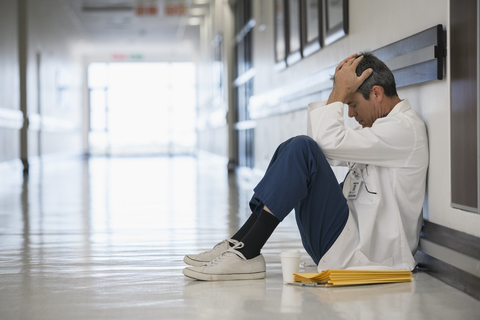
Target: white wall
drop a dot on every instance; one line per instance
(10, 115)
(213, 104)
(56, 98)
(372, 24)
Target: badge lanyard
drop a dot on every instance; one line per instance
(356, 180)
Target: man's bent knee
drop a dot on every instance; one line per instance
(304, 142)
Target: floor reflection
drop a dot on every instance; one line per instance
(104, 238)
(225, 299)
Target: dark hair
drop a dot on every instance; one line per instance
(381, 76)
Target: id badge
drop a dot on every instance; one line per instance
(355, 184)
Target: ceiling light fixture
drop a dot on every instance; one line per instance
(107, 8)
(197, 11)
(201, 1)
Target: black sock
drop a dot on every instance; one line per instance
(245, 228)
(258, 235)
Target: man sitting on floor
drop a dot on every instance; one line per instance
(373, 218)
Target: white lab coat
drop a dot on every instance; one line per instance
(382, 229)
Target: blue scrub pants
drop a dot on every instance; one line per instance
(299, 177)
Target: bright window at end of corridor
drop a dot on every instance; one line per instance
(142, 108)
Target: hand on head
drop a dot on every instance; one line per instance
(346, 80)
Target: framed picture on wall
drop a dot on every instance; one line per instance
(336, 20)
(294, 44)
(280, 35)
(312, 19)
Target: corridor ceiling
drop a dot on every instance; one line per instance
(139, 21)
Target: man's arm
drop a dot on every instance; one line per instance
(346, 80)
(390, 143)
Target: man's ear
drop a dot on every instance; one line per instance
(378, 93)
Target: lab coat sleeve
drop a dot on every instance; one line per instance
(390, 142)
(312, 106)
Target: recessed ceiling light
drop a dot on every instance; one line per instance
(196, 11)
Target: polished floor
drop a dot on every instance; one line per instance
(104, 238)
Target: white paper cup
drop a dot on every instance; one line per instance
(290, 264)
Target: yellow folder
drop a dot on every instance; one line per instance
(331, 278)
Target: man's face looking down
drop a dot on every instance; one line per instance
(364, 111)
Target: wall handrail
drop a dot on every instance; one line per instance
(415, 59)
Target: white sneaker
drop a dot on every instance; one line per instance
(205, 257)
(230, 265)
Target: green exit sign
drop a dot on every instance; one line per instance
(136, 57)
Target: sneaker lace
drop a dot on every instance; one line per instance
(238, 245)
(232, 241)
(226, 254)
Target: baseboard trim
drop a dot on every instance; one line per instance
(452, 239)
(449, 274)
(460, 242)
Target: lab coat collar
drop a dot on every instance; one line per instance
(400, 107)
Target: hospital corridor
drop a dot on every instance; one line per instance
(133, 133)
